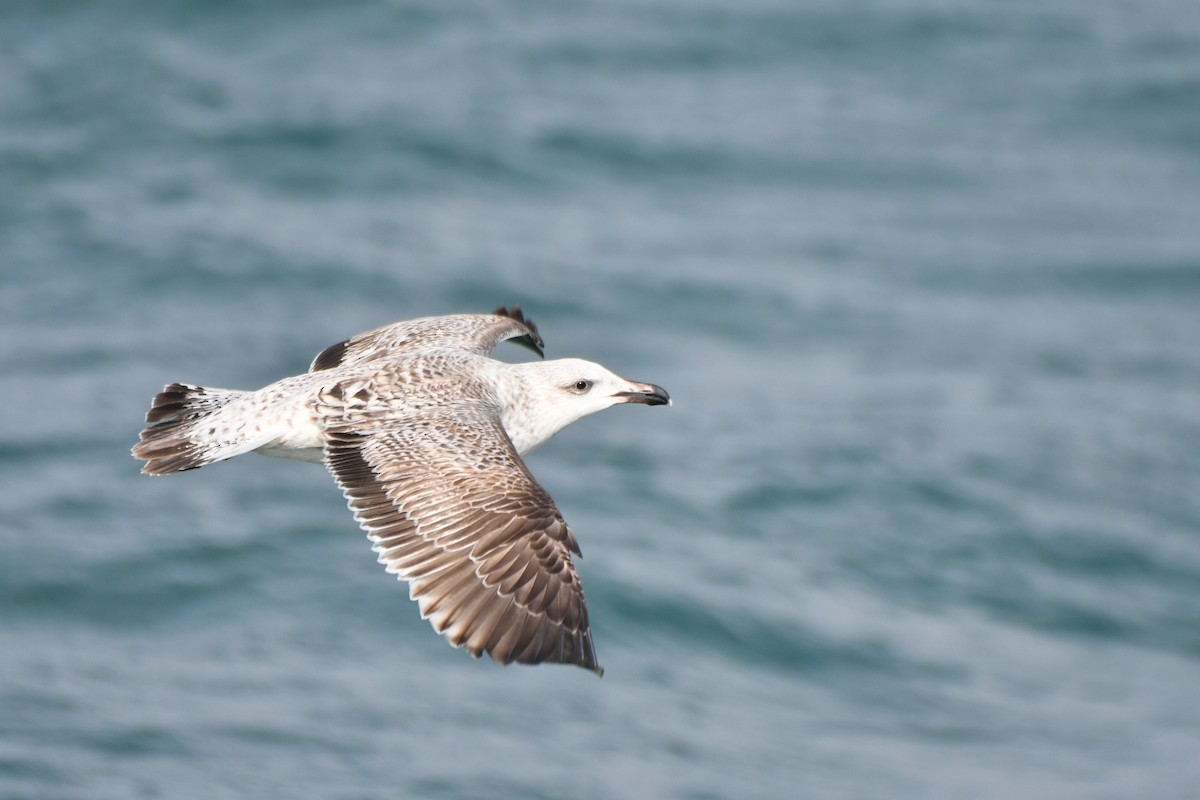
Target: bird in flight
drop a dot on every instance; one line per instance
(424, 433)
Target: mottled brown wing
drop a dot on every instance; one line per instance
(474, 333)
(452, 510)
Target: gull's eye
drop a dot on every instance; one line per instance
(581, 386)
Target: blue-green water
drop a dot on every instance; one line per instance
(922, 277)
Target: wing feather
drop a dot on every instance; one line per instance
(473, 333)
(488, 560)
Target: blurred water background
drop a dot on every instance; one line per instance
(923, 277)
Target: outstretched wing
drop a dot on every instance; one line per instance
(453, 510)
(474, 333)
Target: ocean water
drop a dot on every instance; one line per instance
(922, 276)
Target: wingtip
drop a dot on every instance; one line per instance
(532, 339)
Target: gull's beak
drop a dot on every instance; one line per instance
(646, 393)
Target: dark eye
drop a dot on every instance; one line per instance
(581, 386)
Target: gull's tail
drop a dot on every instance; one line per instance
(188, 429)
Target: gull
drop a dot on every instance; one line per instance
(423, 432)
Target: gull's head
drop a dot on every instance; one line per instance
(587, 387)
(559, 392)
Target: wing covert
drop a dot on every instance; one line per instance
(452, 510)
(474, 333)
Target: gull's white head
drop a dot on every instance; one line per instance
(549, 395)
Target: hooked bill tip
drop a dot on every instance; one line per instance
(648, 394)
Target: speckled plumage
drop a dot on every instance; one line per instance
(424, 434)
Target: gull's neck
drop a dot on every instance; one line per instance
(530, 410)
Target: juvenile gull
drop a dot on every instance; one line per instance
(424, 433)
